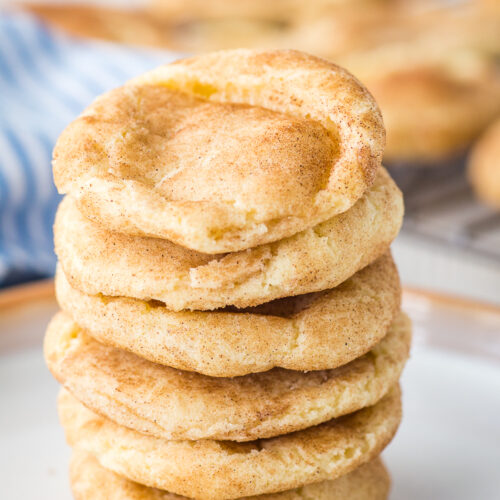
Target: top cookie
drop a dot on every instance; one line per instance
(224, 151)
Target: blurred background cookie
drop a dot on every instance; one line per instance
(132, 27)
(435, 100)
(484, 166)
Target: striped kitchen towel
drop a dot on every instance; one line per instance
(46, 80)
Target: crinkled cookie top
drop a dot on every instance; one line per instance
(224, 151)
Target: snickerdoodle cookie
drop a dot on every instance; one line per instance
(91, 481)
(224, 151)
(317, 331)
(96, 260)
(220, 470)
(174, 404)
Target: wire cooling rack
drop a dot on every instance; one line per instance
(441, 207)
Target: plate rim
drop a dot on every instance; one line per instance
(19, 295)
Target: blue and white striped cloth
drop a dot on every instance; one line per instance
(46, 80)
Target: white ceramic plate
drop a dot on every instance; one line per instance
(448, 446)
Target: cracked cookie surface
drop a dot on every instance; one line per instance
(224, 151)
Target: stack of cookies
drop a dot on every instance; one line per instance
(230, 321)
